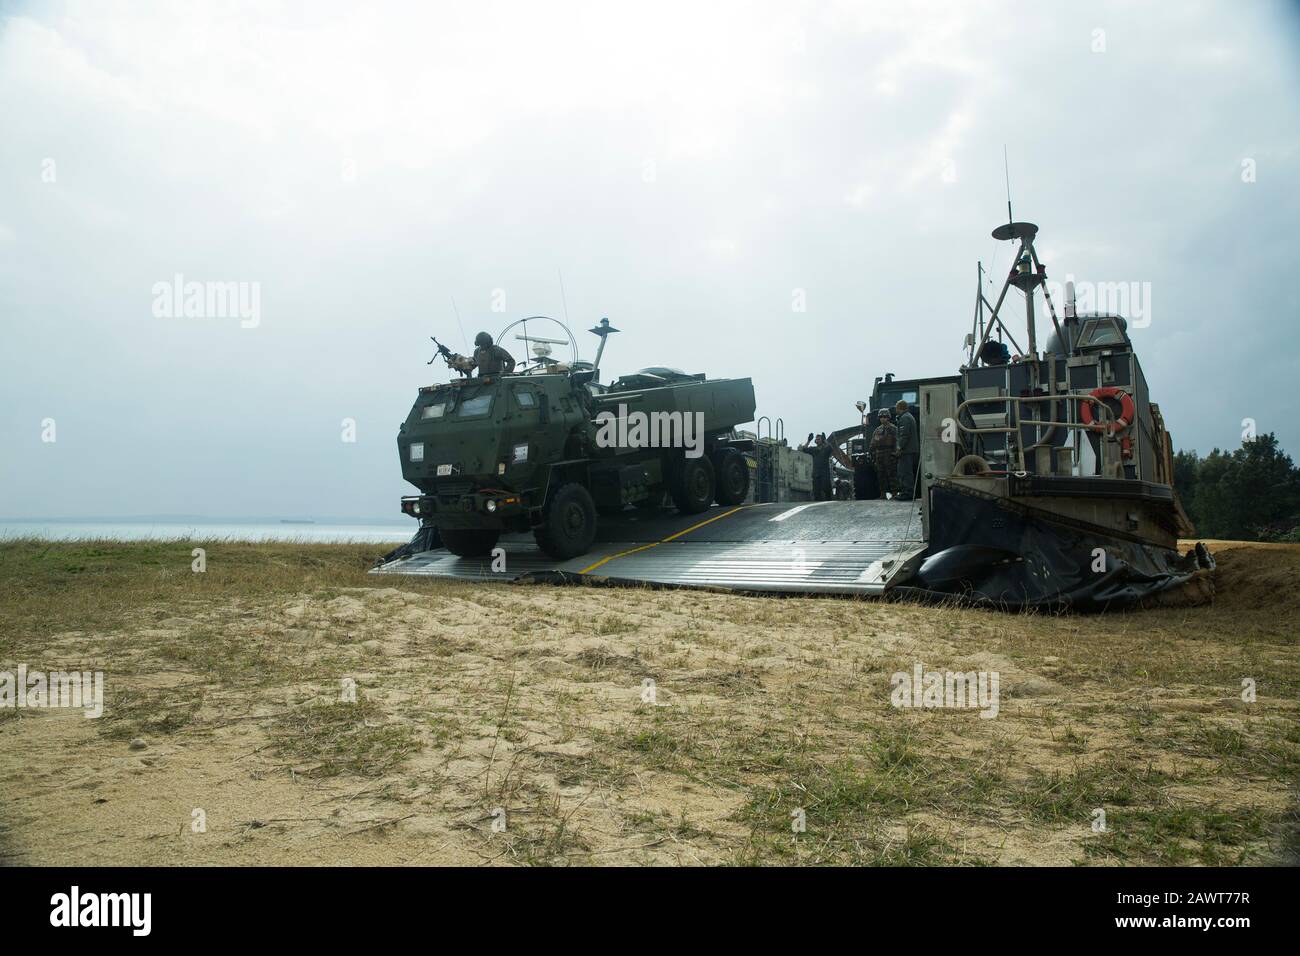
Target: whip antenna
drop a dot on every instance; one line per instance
(1006, 168)
(464, 341)
(563, 298)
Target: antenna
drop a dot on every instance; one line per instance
(463, 341)
(563, 299)
(1006, 168)
(604, 329)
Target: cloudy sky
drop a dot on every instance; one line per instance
(693, 170)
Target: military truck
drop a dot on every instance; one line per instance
(551, 450)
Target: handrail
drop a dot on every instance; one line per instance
(1101, 424)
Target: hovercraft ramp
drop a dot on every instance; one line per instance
(824, 547)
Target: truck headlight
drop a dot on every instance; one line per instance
(417, 451)
(491, 506)
(521, 452)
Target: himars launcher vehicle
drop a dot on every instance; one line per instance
(550, 449)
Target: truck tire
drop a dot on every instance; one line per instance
(732, 474)
(569, 525)
(693, 485)
(469, 542)
(865, 485)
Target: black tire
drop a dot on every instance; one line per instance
(731, 473)
(569, 527)
(469, 542)
(865, 485)
(693, 485)
(426, 539)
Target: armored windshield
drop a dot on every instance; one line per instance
(472, 407)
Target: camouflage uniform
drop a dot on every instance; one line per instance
(884, 443)
(493, 360)
(823, 489)
(489, 358)
(909, 446)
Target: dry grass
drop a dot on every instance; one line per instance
(626, 726)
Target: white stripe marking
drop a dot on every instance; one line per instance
(794, 511)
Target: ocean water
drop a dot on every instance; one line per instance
(206, 530)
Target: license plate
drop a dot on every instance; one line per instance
(444, 471)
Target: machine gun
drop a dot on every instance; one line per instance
(453, 359)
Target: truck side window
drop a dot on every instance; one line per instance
(526, 399)
(478, 405)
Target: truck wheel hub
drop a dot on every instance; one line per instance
(573, 518)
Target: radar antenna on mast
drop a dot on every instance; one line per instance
(1027, 274)
(604, 330)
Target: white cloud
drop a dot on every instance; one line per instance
(803, 145)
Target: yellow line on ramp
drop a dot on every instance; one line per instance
(655, 544)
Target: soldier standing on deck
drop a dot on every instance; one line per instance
(909, 447)
(822, 451)
(491, 359)
(884, 444)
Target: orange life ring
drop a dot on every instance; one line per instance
(1127, 409)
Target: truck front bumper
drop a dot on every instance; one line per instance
(478, 509)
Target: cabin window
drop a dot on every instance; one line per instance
(526, 399)
(1101, 332)
(890, 399)
(478, 405)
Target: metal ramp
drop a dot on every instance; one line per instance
(828, 547)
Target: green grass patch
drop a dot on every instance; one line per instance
(344, 738)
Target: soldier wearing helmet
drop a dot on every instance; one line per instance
(884, 445)
(909, 447)
(491, 359)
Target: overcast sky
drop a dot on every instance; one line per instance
(693, 170)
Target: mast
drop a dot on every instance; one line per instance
(1026, 275)
(604, 329)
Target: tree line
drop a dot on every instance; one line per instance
(1250, 494)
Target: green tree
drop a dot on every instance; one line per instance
(1186, 465)
(1211, 498)
(1250, 494)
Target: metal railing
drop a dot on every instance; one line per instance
(1017, 421)
(777, 434)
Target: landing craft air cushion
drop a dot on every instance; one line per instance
(1044, 480)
